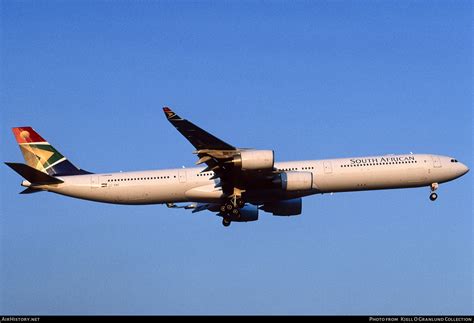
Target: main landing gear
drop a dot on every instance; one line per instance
(433, 195)
(231, 210)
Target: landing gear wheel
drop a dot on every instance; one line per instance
(236, 213)
(433, 196)
(226, 222)
(223, 209)
(229, 207)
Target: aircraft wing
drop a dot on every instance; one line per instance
(220, 157)
(199, 138)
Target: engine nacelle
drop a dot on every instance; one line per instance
(255, 159)
(286, 207)
(296, 181)
(247, 214)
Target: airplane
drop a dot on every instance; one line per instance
(236, 182)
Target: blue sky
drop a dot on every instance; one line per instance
(308, 79)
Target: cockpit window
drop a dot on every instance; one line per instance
(454, 160)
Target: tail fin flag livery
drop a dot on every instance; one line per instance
(40, 155)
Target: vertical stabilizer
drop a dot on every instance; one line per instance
(40, 155)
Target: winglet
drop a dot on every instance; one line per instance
(170, 114)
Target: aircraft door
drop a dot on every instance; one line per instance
(94, 181)
(327, 167)
(182, 175)
(436, 162)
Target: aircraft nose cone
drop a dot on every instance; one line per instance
(463, 169)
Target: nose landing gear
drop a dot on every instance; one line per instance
(226, 222)
(433, 195)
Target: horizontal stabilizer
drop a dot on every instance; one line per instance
(30, 190)
(33, 175)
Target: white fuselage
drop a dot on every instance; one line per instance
(331, 175)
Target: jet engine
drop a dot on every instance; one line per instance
(286, 207)
(296, 181)
(254, 159)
